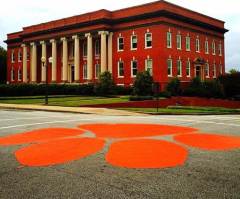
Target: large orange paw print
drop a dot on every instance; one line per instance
(134, 145)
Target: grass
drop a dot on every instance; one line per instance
(68, 101)
(185, 110)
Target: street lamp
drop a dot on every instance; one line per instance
(44, 64)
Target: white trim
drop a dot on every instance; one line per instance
(146, 66)
(188, 62)
(148, 33)
(170, 59)
(206, 46)
(96, 77)
(179, 61)
(188, 39)
(179, 41)
(197, 45)
(132, 67)
(169, 34)
(120, 50)
(120, 76)
(132, 42)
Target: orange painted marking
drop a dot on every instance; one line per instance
(144, 153)
(209, 141)
(39, 135)
(58, 151)
(134, 130)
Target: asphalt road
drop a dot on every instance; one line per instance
(204, 175)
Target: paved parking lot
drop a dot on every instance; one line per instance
(204, 175)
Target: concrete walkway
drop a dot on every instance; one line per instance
(85, 110)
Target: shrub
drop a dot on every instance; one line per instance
(105, 85)
(174, 87)
(143, 84)
(231, 84)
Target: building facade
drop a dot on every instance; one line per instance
(165, 39)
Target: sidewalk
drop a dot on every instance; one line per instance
(83, 110)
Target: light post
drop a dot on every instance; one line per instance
(44, 63)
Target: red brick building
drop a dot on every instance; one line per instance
(168, 40)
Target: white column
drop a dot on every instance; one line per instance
(65, 60)
(89, 56)
(24, 63)
(44, 54)
(110, 53)
(103, 50)
(33, 62)
(76, 58)
(54, 60)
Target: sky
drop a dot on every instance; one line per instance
(16, 14)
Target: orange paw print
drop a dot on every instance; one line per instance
(134, 145)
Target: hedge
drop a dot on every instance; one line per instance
(54, 89)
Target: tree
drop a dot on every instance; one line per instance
(105, 85)
(174, 87)
(233, 70)
(142, 85)
(3, 65)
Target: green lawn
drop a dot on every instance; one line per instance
(185, 110)
(68, 101)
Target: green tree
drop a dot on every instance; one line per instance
(105, 85)
(174, 87)
(142, 85)
(233, 70)
(3, 65)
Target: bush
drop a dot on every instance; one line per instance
(143, 84)
(121, 90)
(209, 89)
(174, 87)
(105, 85)
(231, 84)
(140, 98)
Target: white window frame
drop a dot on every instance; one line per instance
(12, 74)
(12, 56)
(171, 67)
(169, 39)
(132, 67)
(146, 66)
(220, 69)
(132, 36)
(146, 36)
(120, 76)
(19, 56)
(220, 49)
(206, 47)
(198, 45)
(179, 61)
(85, 67)
(188, 43)
(84, 49)
(214, 70)
(97, 64)
(188, 67)
(97, 50)
(206, 69)
(19, 69)
(179, 41)
(118, 44)
(213, 47)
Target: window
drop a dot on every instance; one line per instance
(179, 68)
(206, 47)
(85, 49)
(206, 70)
(84, 71)
(134, 68)
(169, 40)
(188, 43)
(214, 70)
(12, 74)
(213, 48)
(169, 66)
(179, 42)
(220, 69)
(97, 47)
(120, 69)
(97, 70)
(12, 56)
(220, 49)
(120, 44)
(197, 45)
(71, 53)
(133, 42)
(149, 65)
(188, 68)
(19, 74)
(19, 56)
(148, 40)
